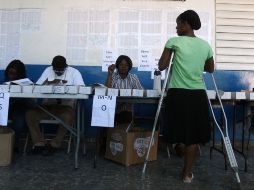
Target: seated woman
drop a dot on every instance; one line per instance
(122, 79)
(17, 106)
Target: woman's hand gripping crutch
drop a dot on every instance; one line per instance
(157, 114)
(225, 137)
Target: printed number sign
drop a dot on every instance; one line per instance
(103, 113)
(4, 108)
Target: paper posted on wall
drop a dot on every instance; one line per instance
(103, 113)
(4, 108)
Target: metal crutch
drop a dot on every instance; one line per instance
(157, 114)
(225, 137)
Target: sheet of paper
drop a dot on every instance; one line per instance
(9, 36)
(4, 108)
(25, 81)
(127, 36)
(171, 23)
(103, 113)
(144, 60)
(109, 57)
(86, 30)
(30, 20)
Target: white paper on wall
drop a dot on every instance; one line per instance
(86, 29)
(109, 57)
(144, 60)
(171, 23)
(103, 113)
(127, 36)
(30, 20)
(9, 36)
(4, 108)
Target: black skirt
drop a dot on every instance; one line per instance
(186, 117)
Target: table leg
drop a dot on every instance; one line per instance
(78, 135)
(241, 151)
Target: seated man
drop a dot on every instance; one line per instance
(58, 73)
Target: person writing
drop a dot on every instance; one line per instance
(187, 110)
(59, 73)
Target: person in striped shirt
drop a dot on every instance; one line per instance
(122, 79)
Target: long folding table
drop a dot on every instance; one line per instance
(244, 99)
(66, 92)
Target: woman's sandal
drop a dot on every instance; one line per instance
(188, 179)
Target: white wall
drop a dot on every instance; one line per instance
(39, 47)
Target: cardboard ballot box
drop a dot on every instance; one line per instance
(130, 147)
(6, 145)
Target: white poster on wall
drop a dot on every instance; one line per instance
(109, 57)
(144, 60)
(4, 108)
(103, 113)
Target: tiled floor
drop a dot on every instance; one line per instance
(29, 172)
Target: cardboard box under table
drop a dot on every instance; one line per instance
(130, 147)
(6, 145)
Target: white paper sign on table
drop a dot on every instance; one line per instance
(4, 108)
(103, 113)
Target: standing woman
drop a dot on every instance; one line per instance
(17, 106)
(186, 101)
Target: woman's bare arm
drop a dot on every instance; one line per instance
(209, 65)
(165, 59)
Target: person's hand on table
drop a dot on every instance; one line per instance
(55, 81)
